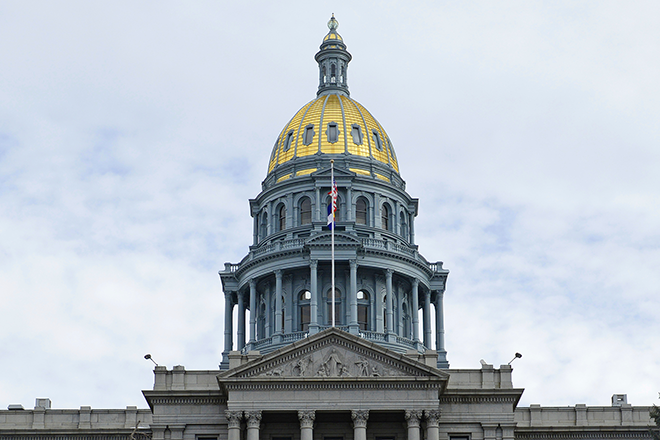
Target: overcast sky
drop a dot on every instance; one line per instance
(132, 134)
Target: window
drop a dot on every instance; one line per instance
(325, 77)
(338, 318)
(356, 132)
(282, 219)
(363, 309)
(333, 74)
(333, 132)
(288, 140)
(309, 135)
(377, 141)
(343, 74)
(304, 320)
(385, 217)
(361, 211)
(305, 211)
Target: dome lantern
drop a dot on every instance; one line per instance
(333, 59)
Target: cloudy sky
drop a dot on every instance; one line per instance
(132, 134)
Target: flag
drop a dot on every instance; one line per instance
(332, 207)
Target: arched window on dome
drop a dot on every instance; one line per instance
(356, 133)
(308, 138)
(377, 141)
(288, 141)
(325, 76)
(333, 74)
(281, 223)
(305, 211)
(343, 74)
(361, 207)
(304, 309)
(333, 132)
(385, 217)
(363, 309)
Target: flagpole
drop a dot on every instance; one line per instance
(332, 234)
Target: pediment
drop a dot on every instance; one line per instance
(333, 354)
(339, 173)
(340, 239)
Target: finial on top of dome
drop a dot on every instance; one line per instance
(333, 24)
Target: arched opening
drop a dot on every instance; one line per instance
(304, 317)
(282, 218)
(385, 217)
(305, 211)
(333, 74)
(363, 309)
(361, 211)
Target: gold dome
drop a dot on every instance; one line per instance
(333, 124)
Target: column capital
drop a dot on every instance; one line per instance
(306, 418)
(253, 418)
(234, 418)
(352, 263)
(278, 273)
(412, 417)
(252, 282)
(415, 283)
(314, 264)
(432, 417)
(389, 273)
(359, 417)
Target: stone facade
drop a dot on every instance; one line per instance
(380, 373)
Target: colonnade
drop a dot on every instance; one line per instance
(359, 418)
(427, 297)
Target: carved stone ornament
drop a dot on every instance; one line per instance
(306, 418)
(253, 419)
(412, 417)
(333, 362)
(432, 417)
(234, 418)
(360, 417)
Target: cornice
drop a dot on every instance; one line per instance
(582, 432)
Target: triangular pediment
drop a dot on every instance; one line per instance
(340, 239)
(338, 172)
(336, 354)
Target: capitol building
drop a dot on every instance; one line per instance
(357, 356)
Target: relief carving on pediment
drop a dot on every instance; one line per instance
(333, 362)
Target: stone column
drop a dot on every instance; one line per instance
(412, 420)
(360, 417)
(439, 322)
(253, 419)
(412, 228)
(388, 290)
(229, 305)
(234, 425)
(253, 311)
(313, 303)
(317, 211)
(415, 309)
(432, 417)
(306, 424)
(349, 204)
(240, 333)
(354, 328)
(278, 301)
(399, 307)
(427, 319)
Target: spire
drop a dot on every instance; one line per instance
(333, 59)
